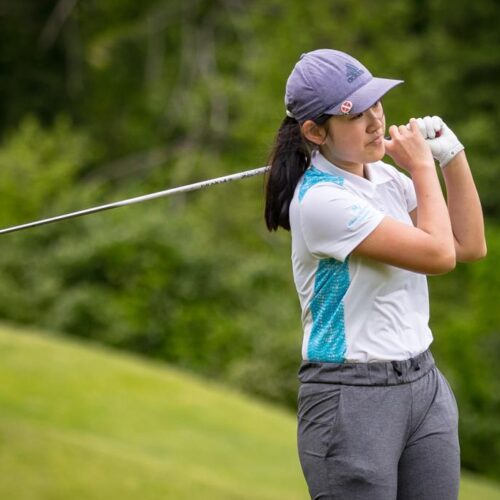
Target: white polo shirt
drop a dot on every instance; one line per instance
(354, 309)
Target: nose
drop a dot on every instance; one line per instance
(376, 120)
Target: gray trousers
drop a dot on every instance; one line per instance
(378, 431)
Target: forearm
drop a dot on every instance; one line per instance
(434, 237)
(464, 207)
(432, 213)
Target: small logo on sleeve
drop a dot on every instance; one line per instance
(359, 213)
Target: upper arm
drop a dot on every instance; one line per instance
(413, 216)
(408, 191)
(405, 246)
(334, 221)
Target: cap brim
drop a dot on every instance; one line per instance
(366, 96)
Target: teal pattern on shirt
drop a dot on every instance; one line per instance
(314, 176)
(327, 338)
(327, 341)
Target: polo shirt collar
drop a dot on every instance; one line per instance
(376, 175)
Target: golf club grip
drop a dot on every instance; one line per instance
(438, 134)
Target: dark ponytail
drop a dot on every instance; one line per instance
(289, 159)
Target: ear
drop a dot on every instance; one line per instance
(313, 132)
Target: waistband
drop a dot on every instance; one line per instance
(377, 373)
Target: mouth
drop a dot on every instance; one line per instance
(378, 140)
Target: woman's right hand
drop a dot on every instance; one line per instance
(408, 148)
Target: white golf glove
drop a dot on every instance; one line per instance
(443, 142)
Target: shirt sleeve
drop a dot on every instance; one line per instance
(408, 191)
(335, 221)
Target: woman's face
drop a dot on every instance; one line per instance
(354, 140)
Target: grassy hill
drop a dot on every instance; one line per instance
(83, 422)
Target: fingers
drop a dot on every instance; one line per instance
(438, 125)
(393, 134)
(430, 126)
(414, 126)
(421, 126)
(403, 130)
(398, 132)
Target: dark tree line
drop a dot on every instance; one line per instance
(102, 100)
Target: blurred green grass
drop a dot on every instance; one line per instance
(84, 422)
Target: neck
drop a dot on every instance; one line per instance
(351, 167)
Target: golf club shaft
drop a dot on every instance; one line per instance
(139, 199)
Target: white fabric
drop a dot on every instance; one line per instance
(381, 311)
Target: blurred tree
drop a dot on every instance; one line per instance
(108, 99)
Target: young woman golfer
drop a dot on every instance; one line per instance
(376, 418)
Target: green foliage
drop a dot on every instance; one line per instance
(121, 98)
(38, 166)
(163, 282)
(466, 326)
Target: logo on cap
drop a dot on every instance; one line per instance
(352, 72)
(346, 107)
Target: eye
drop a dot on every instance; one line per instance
(355, 117)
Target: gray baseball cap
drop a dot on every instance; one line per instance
(331, 82)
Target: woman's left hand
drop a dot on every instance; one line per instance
(443, 142)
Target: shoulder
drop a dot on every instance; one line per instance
(317, 183)
(326, 202)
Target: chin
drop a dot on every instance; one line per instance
(376, 155)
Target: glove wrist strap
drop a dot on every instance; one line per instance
(451, 154)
